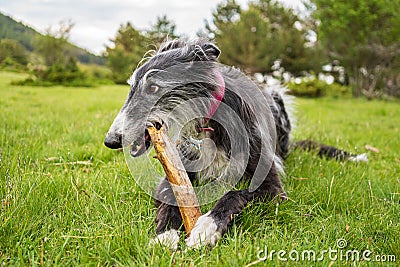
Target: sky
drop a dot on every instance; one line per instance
(97, 21)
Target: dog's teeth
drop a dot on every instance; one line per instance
(136, 148)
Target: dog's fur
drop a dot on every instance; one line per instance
(212, 225)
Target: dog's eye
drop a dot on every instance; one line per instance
(153, 88)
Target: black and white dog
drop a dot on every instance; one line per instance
(180, 72)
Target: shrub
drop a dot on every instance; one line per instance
(58, 74)
(12, 54)
(317, 88)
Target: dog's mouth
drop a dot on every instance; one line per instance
(143, 143)
(139, 146)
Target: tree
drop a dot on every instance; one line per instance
(53, 45)
(257, 36)
(129, 46)
(12, 52)
(245, 42)
(60, 65)
(288, 32)
(162, 29)
(364, 35)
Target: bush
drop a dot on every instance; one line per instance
(12, 54)
(58, 74)
(317, 88)
(11, 65)
(97, 74)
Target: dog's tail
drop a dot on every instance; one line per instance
(329, 151)
(283, 111)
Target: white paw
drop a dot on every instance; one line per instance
(169, 239)
(204, 232)
(359, 158)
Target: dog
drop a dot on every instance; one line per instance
(237, 115)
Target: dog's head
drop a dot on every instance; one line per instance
(178, 72)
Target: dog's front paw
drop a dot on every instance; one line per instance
(359, 158)
(205, 232)
(169, 239)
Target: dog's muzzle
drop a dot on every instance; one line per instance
(113, 141)
(142, 144)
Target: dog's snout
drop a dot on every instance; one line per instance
(113, 141)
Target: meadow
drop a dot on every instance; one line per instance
(68, 200)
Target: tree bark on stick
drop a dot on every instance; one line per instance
(168, 155)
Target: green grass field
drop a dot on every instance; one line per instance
(57, 213)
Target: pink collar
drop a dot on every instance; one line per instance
(218, 96)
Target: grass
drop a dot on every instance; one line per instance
(90, 215)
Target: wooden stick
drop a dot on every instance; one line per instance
(168, 155)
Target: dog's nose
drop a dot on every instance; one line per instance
(113, 141)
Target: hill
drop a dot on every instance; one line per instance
(25, 35)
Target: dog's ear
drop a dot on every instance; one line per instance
(211, 50)
(207, 51)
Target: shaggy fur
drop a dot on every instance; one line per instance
(156, 91)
